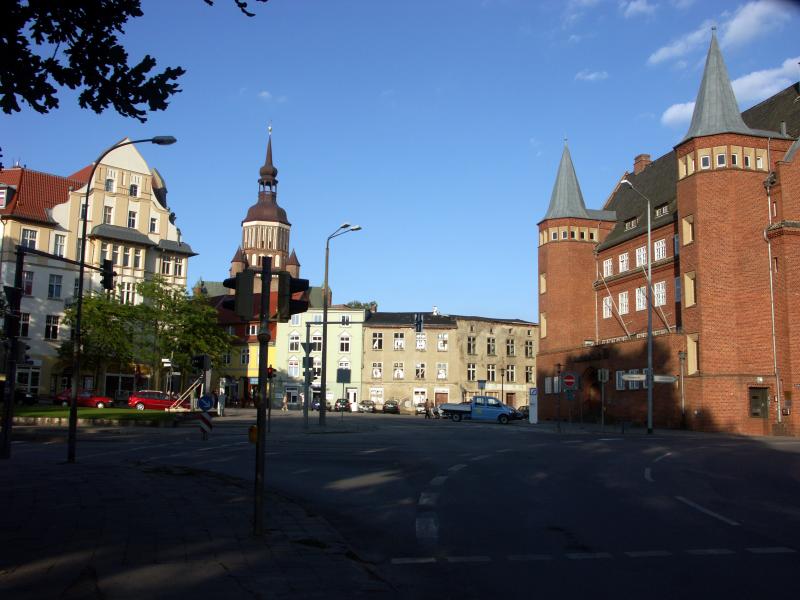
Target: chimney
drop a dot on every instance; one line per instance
(783, 128)
(435, 311)
(640, 162)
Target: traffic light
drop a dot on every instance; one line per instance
(201, 362)
(23, 358)
(242, 303)
(288, 287)
(108, 275)
(13, 300)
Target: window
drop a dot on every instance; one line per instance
(490, 373)
(441, 344)
(419, 371)
(620, 381)
(554, 236)
(759, 402)
(646, 373)
(397, 371)
(377, 370)
(470, 371)
(83, 211)
(631, 223)
(344, 364)
(230, 329)
(133, 190)
(316, 342)
(528, 348)
(623, 262)
(689, 289)
(687, 229)
(318, 318)
(132, 219)
(75, 285)
(564, 235)
(511, 373)
(294, 342)
(3, 194)
(662, 210)
(633, 385)
(104, 251)
(660, 250)
(641, 298)
(317, 367)
(399, 340)
(27, 283)
(166, 265)
(153, 224)
(676, 244)
(29, 238)
(721, 160)
(490, 346)
(746, 162)
(471, 344)
(548, 385)
(345, 320)
(705, 162)
(623, 303)
(608, 267)
(344, 343)
(226, 358)
(244, 356)
(422, 341)
(24, 324)
(759, 162)
(377, 341)
(126, 293)
(178, 267)
(293, 369)
(108, 214)
(51, 327)
(591, 235)
(660, 293)
(252, 329)
(528, 374)
(137, 259)
(734, 160)
(115, 254)
(109, 185)
(441, 371)
(607, 307)
(59, 242)
(641, 256)
(295, 320)
(510, 348)
(54, 287)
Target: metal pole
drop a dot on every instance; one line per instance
(13, 350)
(558, 398)
(682, 358)
(602, 406)
(323, 378)
(306, 372)
(649, 325)
(269, 401)
(263, 350)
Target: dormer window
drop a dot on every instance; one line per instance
(3, 196)
(746, 162)
(631, 223)
(662, 210)
(734, 160)
(705, 162)
(721, 161)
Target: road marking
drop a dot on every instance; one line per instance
(439, 480)
(427, 528)
(413, 561)
(706, 511)
(610, 440)
(529, 557)
(587, 555)
(662, 457)
(468, 559)
(428, 498)
(710, 552)
(648, 553)
(573, 442)
(456, 468)
(373, 450)
(772, 550)
(648, 475)
(481, 457)
(505, 450)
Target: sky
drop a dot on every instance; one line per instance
(436, 125)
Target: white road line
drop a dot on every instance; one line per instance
(648, 475)
(439, 480)
(505, 450)
(373, 450)
(610, 440)
(704, 510)
(428, 498)
(413, 561)
(468, 559)
(427, 528)
(481, 457)
(772, 550)
(662, 457)
(710, 552)
(456, 468)
(529, 557)
(18, 441)
(587, 555)
(648, 553)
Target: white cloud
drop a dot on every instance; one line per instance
(265, 95)
(576, 8)
(683, 45)
(753, 20)
(636, 8)
(574, 39)
(591, 76)
(682, 4)
(678, 114)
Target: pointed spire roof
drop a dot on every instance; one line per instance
(268, 173)
(566, 199)
(239, 256)
(293, 260)
(716, 109)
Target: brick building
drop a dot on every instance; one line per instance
(725, 232)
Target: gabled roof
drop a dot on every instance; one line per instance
(239, 256)
(125, 234)
(566, 200)
(782, 107)
(293, 260)
(34, 193)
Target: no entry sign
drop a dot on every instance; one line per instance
(570, 381)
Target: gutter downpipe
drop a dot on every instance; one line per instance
(768, 187)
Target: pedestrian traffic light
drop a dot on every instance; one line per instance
(201, 362)
(288, 288)
(242, 302)
(108, 275)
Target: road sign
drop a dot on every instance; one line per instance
(602, 375)
(205, 424)
(664, 378)
(570, 381)
(533, 406)
(634, 377)
(204, 403)
(306, 346)
(481, 384)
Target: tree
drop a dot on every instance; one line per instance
(75, 44)
(372, 305)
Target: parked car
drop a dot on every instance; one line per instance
(86, 398)
(391, 406)
(315, 404)
(419, 409)
(152, 400)
(341, 405)
(524, 411)
(25, 397)
(366, 406)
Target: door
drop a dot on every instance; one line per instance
(493, 409)
(440, 398)
(511, 399)
(759, 402)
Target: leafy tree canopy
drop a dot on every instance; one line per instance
(371, 305)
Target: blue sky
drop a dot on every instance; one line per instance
(437, 125)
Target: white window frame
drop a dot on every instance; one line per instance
(399, 340)
(442, 342)
(377, 340)
(623, 262)
(633, 385)
(377, 370)
(623, 303)
(608, 267)
(641, 256)
(659, 293)
(59, 244)
(54, 286)
(398, 370)
(705, 162)
(293, 367)
(606, 307)
(421, 341)
(133, 217)
(471, 372)
(153, 225)
(344, 343)
(441, 371)
(641, 298)
(419, 370)
(28, 238)
(660, 249)
(722, 160)
(294, 342)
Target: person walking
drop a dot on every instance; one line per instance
(285, 405)
(221, 404)
(427, 409)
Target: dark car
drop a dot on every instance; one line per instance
(315, 404)
(524, 411)
(25, 397)
(391, 406)
(341, 405)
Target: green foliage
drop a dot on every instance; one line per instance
(371, 305)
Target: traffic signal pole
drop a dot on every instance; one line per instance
(261, 412)
(12, 331)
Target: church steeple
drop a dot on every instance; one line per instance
(268, 174)
(716, 109)
(566, 199)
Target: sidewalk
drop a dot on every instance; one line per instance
(123, 530)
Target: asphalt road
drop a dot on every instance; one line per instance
(469, 510)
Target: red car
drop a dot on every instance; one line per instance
(86, 398)
(151, 400)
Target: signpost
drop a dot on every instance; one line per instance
(533, 406)
(204, 420)
(602, 377)
(570, 381)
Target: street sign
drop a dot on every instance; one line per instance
(205, 424)
(204, 403)
(634, 377)
(306, 346)
(602, 375)
(570, 381)
(533, 406)
(481, 384)
(664, 378)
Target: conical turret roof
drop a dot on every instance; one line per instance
(716, 109)
(268, 173)
(293, 260)
(239, 256)
(566, 199)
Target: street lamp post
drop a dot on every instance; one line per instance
(341, 230)
(502, 384)
(161, 140)
(682, 359)
(649, 378)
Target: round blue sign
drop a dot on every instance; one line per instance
(204, 403)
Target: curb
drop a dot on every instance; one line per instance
(64, 422)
